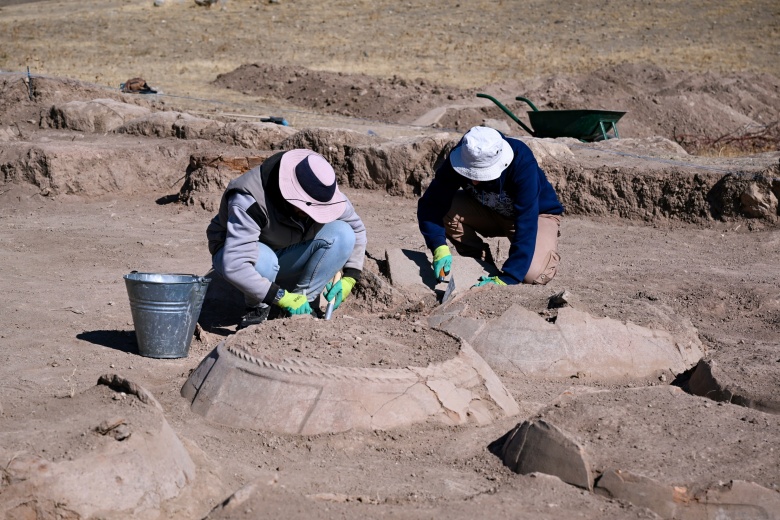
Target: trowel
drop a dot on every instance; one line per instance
(448, 292)
(331, 303)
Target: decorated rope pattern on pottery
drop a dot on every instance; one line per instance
(313, 368)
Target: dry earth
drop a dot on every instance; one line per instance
(653, 235)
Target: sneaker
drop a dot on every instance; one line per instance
(254, 316)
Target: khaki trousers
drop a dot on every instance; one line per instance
(467, 219)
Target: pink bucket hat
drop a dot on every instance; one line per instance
(308, 182)
(482, 154)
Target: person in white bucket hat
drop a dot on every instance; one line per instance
(491, 185)
(283, 231)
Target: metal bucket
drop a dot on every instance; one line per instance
(165, 310)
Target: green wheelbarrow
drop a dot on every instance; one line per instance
(585, 125)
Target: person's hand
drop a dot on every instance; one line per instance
(484, 280)
(294, 303)
(442, 262)
(337, 292)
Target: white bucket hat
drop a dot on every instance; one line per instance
(308, 182)
(482, 154)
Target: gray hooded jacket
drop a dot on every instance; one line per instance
(251, 211)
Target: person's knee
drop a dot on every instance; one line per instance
(452, 220)
(547, 272)
(267, 264)
(338, 234)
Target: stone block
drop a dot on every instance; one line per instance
(538, 446)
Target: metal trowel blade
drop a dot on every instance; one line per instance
(450, 289)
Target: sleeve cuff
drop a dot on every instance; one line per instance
(352, 273)
(271, 294)
(509, 279)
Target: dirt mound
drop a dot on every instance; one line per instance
(371, 341)
(393, 99)
(698, 110)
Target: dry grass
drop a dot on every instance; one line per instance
(747, 140)
(181, 47)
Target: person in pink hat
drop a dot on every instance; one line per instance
(491, 186)
(283, 231)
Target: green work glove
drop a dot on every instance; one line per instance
(442, 262)
(484, 280)
(294, 303)
(338, 292)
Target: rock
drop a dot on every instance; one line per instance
(638, 449)
(560, 299)
(411, 271)
(497, 124)
(538, 446)
(758, 204)
(753, 385)
(736, 499)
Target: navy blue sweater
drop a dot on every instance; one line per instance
(523, 182)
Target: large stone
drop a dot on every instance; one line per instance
(411, 271)
(736, 499)
(641, 491)
(538, 446)
(576, 344)
(747, 384)
(550, 151)
(656, 447)
(303, 396)
(759, 203)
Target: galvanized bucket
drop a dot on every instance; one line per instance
(165, 310)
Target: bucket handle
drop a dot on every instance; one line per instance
(202, 280)
(508, 112)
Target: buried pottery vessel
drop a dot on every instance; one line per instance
(239, 386)
(577, 344)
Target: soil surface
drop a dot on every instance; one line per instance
(383, 341)
(700, 74)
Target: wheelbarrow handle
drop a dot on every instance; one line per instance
(507, 111)
(533, 107)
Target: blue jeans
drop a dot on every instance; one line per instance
(308, 266)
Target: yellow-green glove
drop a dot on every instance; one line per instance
(442, 262)
(484, 280)
(338, 292)
(294, 303)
